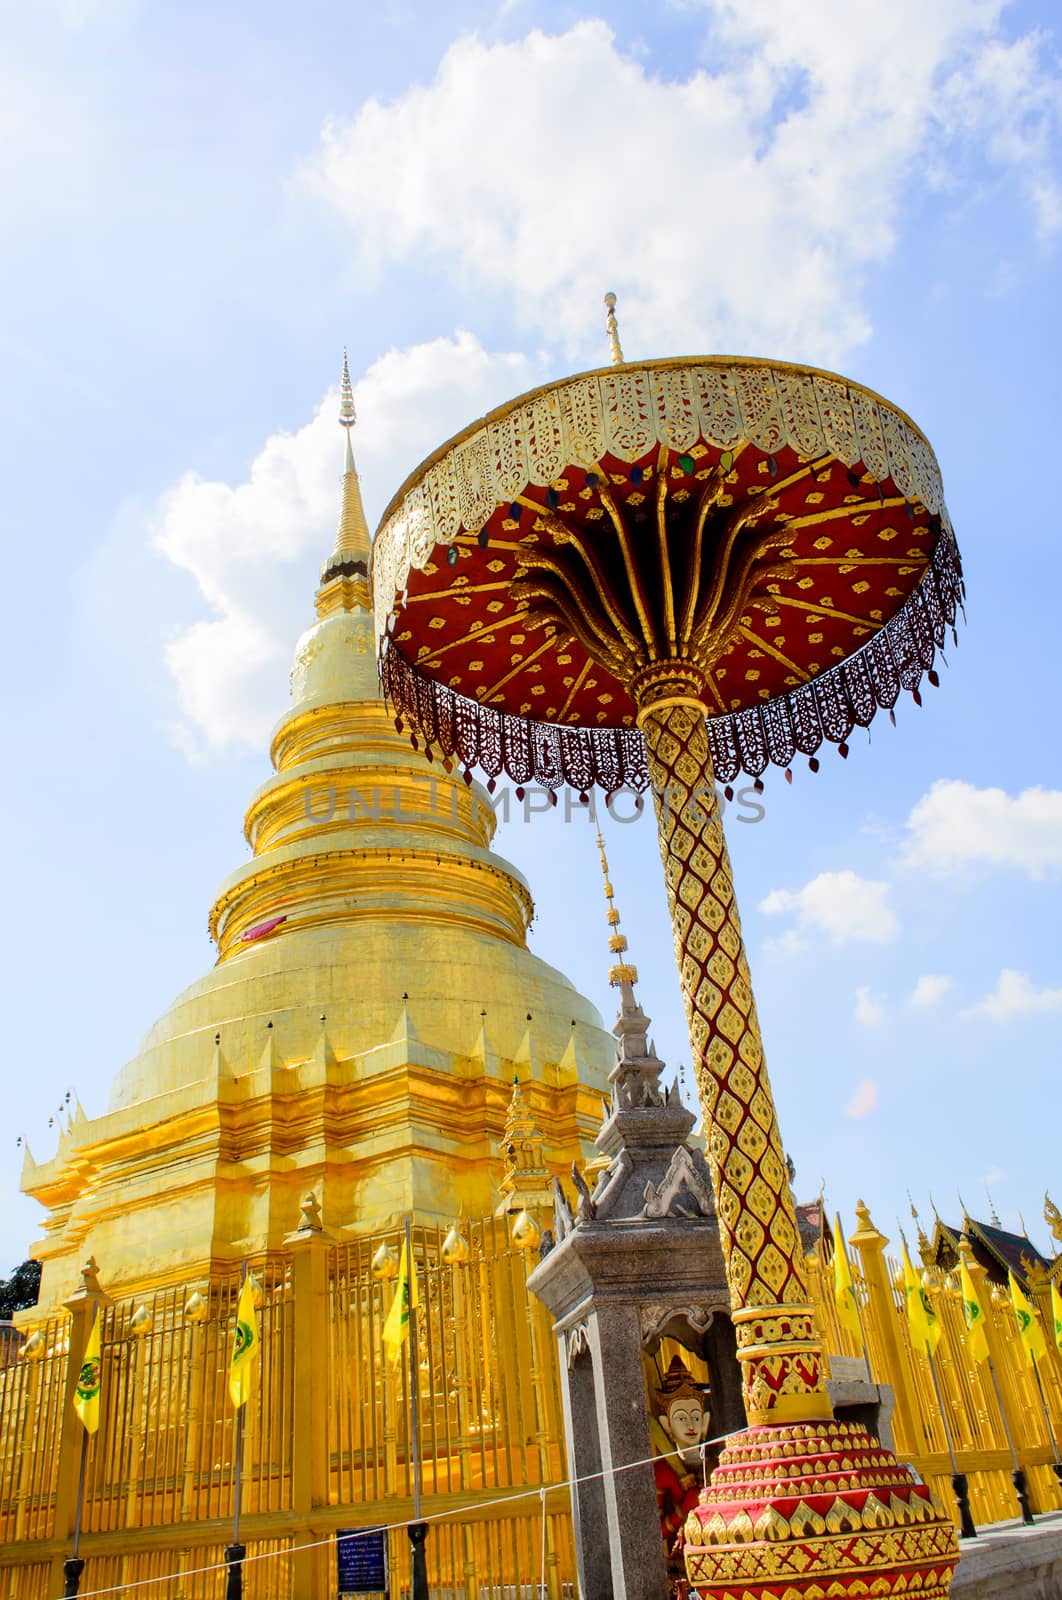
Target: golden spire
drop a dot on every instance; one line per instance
(350, 556)
(613, 330)
(621, 972)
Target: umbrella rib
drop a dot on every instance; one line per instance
(768, 649)
(856, 508)
(474, 633)
(720, 702)
(637, 594)
(560, 616)
(573, 536)
(464, 588)
(524, 661)
(709, 497)
(540, 561)
(580, 679)
(827, 611)
(859, 561)
(665, 560)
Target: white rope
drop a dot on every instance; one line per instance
(542, 1490)
(542, 1564)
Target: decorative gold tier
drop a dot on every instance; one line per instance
(802, 1513)
(373, 1000)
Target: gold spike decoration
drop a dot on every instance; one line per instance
(384, 1265)
(612, 327)
(621, 971)
(348, 416)
(347, 568)
(455, 1248)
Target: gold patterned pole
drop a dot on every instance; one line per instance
(660, 528)
(778, 1349)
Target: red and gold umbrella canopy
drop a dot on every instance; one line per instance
(674, 572)
(633, 485)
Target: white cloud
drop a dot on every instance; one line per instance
(1015, 995)
(847, 907)
(957, 825)
(790, 943)
(737, 208)
(930, 989)
(864, 1101)
(241, 543)
(869, 1009)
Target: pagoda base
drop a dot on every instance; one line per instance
(817, 1510)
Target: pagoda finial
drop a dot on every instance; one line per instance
(525, 1179)
(612, 326)
(621, 972)
(348, 416)
(923, 1241)
(350, 556)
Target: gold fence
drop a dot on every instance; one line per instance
(327, 1446)
(975, 1419)
(326, 1440)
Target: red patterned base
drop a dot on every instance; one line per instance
(815, 1511)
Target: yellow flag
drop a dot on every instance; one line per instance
(1056, 1312)
(973, 1311)
(244, 1347)
(922, 1319)
(843, 1287)
(1032, 1335)
(396, 1328)
(87, 1393)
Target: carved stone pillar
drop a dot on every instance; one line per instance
(637, 1259)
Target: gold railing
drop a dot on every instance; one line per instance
(326, 1442)
(974, 1419)
(327, 1434)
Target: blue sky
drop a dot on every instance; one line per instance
(202, 206)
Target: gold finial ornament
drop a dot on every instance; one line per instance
(141, 1321)
(257, 1292)
(33, 1349)
(525, 1232)
(196, 1308)
(455, 1248)
(612, 327)
(310, 1216)
(348, 416)
(621, 971)
(385, 1264)
(349, 560)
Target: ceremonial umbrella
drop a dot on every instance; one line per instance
(663, 574)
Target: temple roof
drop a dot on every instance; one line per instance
(998, 1251)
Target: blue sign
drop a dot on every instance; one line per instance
(361, 1560)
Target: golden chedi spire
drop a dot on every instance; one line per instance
(345, 575)
(333, 1045)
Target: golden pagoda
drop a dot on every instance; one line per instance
(372, 1001)
(374, 1042)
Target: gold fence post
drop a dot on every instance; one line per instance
(310, 1246)
(1007, 1396)
(27, 1442)
(81, 1306)
(881, 1307)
